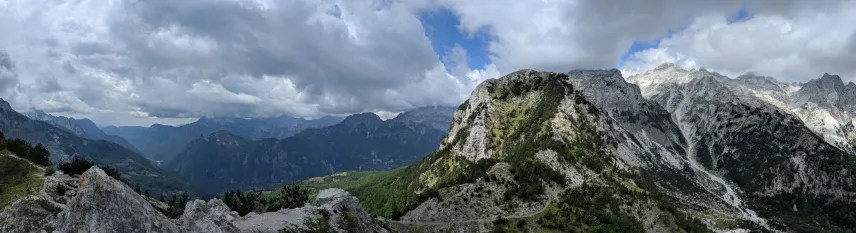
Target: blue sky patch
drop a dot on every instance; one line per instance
(639, 45)
(636, 47)
(740, 16)
(441, 27)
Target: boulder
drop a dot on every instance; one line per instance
(103, 204)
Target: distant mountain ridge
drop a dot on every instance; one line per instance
(80, 127)
(64, 144)
(163, 142)
(223, 160)
(826, 105)
(770, 153)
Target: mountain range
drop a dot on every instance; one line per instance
(67, 139)
(672, 150)
(666, 150)
(222, 160)
(80, 127)
(826, 105)
(162, 142)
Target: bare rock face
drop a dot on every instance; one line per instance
(351, 217)
(95, 202)
(31, 214)
(104, 204)
(212, 216)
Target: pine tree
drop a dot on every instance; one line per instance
(40, 155)
(77, 166)
(3, 142)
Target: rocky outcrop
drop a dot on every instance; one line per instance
(104, 204)
(31, 214)
(353, 217)
(212, 216)
(38, 213)
(95, 202)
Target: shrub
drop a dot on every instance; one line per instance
(50, 170)
(38, 154)
(288, 197)
(176, 205)
(112, 172)
(77, 166)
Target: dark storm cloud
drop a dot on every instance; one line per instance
(343, 58)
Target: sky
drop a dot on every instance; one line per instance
(135, 62)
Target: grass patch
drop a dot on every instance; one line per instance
(18, 178)
(632, 187)
(388, 194)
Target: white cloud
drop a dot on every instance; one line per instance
(792, 47)
(557, 35)
(149, 61)
(165, 59)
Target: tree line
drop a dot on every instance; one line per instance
(37, 154)
(287, 197)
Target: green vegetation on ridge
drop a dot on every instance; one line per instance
(519, 128)
(393, 193)
(18, 178)
(37, 154)
(286, 197)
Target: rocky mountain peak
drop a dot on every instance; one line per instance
(223, 138)
(825, 91)
(369, 119)
(5, 106)
(650, 81)
(831, 79)
(513, 95)
(607, 73)
(668, 66)
(827, 83)
(607, 89)
(760, 82)
(222, 134)
(438, 117)
(754, 78)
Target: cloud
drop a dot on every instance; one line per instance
(794, 45)
(564, 35)
(139, 61)
(193, 58)
(8, 76)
